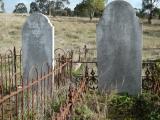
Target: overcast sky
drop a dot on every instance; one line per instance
(10, 4)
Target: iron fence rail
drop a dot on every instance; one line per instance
(11, 64)
(73, 96)
(29, 101)
(25, 101)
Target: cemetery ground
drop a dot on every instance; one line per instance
(75, 32)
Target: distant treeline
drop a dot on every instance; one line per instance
(87, 8)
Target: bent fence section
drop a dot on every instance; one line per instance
(73, 96)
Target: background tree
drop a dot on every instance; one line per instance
(48, 6)
(157, 12)
(94, 6)
(20, 8)
(59, 5)
(33, 7)
(81, 10)
(2, 6)
(140, 13)
(90, 8)
(69, 11)
(149, 6)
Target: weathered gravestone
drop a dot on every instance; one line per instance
(119, 46)
(37, 43)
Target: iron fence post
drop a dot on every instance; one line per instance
(14, 65)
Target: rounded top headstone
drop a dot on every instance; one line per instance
(36, 23)
(38, 18)
(37, 42)
(120, 2)
(118, 8)
(119, 46)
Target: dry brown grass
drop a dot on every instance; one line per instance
(71, 33)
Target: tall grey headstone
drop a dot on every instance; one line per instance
(119, 46)
(37, 43)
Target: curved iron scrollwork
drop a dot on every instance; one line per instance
(151, 80)
(93, 81)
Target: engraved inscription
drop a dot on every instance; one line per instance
(35, 29)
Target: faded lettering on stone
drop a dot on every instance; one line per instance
(35, 29)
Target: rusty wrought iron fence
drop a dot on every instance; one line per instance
(75, 94)
(151, 76)
(29, 101)
(10, 63)
(21, 101)
(150, 69)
